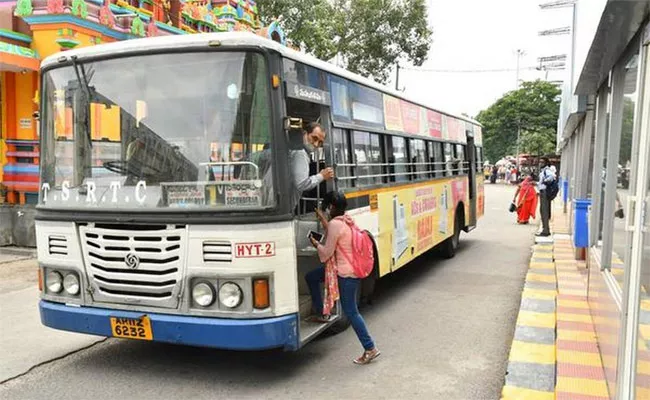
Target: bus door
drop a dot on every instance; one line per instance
(309, 105)
(470, 156)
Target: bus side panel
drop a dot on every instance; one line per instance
(480, 199)
(415, 218)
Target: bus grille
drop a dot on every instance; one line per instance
(134, 266)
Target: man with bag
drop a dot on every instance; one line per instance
(548, 189)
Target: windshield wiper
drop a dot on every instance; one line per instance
(83, 82)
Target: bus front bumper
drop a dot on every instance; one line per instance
(234, 334)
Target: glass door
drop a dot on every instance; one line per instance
(642, 252)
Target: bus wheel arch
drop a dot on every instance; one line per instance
(367, 288)
(450, 245)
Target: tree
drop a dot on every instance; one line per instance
(369, 36)
(533, 109)
(23, 8)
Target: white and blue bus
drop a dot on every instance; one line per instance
(165, 207)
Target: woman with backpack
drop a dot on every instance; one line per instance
(339, 274)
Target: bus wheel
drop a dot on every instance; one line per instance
(449, 246)
(367, 287)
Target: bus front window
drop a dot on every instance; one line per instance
(190, 131)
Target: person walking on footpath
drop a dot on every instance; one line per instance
(527, 202)
(546, 179)
(336, 254)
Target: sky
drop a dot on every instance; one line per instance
(480, 35)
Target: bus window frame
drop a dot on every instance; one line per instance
(347, 180)
(281, 211)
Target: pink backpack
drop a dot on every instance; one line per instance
(363, 257)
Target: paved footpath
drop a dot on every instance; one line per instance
(554, 353)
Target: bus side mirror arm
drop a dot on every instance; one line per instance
(291, 123)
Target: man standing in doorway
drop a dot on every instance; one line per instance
(546, 177)
(313, 138)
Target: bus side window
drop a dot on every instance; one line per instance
(430, 160)
(342, 156)
(418, 158)
(399, 159)
(439, 159)
(376, 157)
(460, 158)
(361, 146)
(448, 160)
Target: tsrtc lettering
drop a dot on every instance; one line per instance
(65, 190)
(90, 196)
(115, 186)
(45, 188)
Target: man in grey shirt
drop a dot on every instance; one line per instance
(313, 138)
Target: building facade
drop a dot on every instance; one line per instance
(604, 139)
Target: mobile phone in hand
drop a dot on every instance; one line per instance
(317, 236)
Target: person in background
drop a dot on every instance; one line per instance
(546, 176)
(495, 174)
(513, 176)
(338, 240)
(527, 202)
(313, 138)
(507, 175)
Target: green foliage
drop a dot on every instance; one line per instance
(369, 36)
(625, 153)
(23, 8)
(534, 109)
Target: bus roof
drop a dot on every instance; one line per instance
(127, 47)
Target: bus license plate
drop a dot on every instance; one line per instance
(132, 328)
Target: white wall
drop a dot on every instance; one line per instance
(588, 14)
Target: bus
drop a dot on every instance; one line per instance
(166, 205)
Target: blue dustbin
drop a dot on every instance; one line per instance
(581, 225)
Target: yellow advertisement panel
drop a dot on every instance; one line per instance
(415, 218)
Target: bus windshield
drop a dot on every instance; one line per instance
(162, 131)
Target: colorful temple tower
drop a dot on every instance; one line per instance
(33, 29)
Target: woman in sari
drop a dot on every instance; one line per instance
(527, 201)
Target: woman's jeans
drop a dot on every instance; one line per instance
(348, 288)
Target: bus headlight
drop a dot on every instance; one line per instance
(203, 294)
(71, 284)
(230, 295)
(54, 282)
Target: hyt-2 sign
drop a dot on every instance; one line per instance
(253, 250)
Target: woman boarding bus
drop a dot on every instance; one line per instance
(165, 208)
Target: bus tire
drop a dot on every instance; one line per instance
(449, 246)
(367, 287)
(339, 326)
